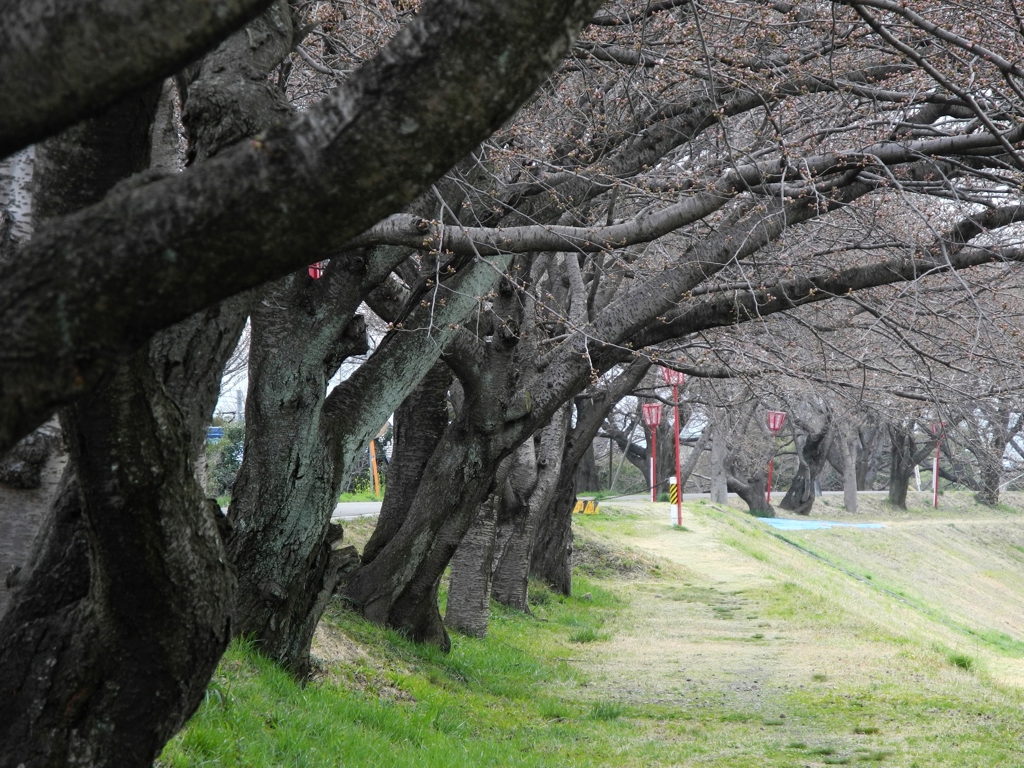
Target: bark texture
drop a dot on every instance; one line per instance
(532, 491)
(283, 548)
(22, 466)
(104, 665)
(394, 127)
(55, 57)
(551, 558)
(469, 586)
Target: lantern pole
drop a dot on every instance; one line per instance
(652, 418)
(775, 421)
(654, 463)
(675, 378)
(679, 479)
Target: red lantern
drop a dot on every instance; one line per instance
(775, 421)
(672, 377)
(652, 414)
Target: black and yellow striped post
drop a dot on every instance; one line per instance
(673, 496)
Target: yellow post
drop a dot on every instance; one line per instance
(373, 465)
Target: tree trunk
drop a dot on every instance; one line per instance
(905, 456)
(901, 464)
(129, 582)
(469, 590)
(719, 455)
(753, 494)
(300, 446)
(989, 474)
(850, 442)
(420, 422)
(397, 587)
(551, 561)
(281, 505)
(871, 438)
(587, 477)
(516, 532)
(812, 454)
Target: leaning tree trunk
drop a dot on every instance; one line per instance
(420, 422)
(106, 675)
(282, 546)
(397, 587)
(752, 491)
(551, 559)
(299, 444)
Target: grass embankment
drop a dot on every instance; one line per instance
(724, 643)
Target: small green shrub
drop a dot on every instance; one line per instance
(607, 710)
(961, 660)
(584, 635)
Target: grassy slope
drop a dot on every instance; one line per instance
(721, 645)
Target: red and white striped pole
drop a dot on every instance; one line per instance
(652, 418)
(675, 378)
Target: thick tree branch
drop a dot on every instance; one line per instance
(789, 294)
(64, 60)
(93, 286)
(415, 232)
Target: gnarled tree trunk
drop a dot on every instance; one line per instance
(812, 454)
(905, 456)
(516, 534)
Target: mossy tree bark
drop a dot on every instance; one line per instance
(125, 607)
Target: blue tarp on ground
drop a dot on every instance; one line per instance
(810, 525)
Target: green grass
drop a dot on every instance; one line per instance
(360, 496)
(523, 696)
(505, 700)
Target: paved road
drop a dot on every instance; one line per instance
(353, 509)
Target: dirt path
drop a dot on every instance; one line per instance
(747, 619)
